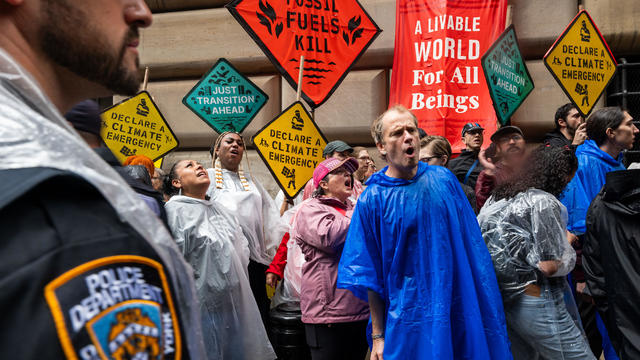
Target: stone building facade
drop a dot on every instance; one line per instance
(188, 36)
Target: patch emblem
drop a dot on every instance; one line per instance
(116, 307)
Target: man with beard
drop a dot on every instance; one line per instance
(414, 250)
(467, 167)
(610, 131)
(509, 145)
(570, 128)
(78, 246)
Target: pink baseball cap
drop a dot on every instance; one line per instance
(327, 166)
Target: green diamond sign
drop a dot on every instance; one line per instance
(507, 75)
(225, 99)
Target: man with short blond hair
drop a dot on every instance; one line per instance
(415, 252)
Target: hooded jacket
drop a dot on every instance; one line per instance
(212, 242)
(593, 166)
(611, 259)
(417, 244)
(556, 139)
(320, 228)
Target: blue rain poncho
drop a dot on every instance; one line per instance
(593, 166)
(212, 241)
(418, 245)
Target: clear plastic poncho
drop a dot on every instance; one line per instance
(288, 291)
(520, 233)
(33, 133)
(256, 211)
(214, 245)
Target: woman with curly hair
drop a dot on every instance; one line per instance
(525, 228)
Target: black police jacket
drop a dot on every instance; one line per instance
(75, 280)
(611, 259)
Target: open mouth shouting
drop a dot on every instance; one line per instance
(410, 151)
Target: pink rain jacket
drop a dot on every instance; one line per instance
(320, 229)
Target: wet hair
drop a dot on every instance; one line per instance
(141, 160)
(139, 173)
(376, 125)
(563, 112)
(167, 182)
(601, 120)
(439, 145)
(547, 168)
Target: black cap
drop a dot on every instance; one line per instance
(85, 116)
(471, 126)
(336, 145)
(504, 131)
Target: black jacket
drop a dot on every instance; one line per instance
(611, 259)
(137, 186)
(460, 165)
(556, 139)
(66, 255)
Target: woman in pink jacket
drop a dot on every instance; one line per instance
(335, 320)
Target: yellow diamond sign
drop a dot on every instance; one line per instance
(291, 145)
(581, 62)
(135, 126)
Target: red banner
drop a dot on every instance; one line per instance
(437, 72)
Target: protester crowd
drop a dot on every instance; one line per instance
(507, 251)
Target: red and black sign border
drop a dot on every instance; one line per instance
(246, 78)
(264, 159)
(161, 116)
(564, 33)
(232, 9)
(482, 61)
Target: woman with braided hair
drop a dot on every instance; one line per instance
(254, 208)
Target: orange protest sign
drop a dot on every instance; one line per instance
(330, 34)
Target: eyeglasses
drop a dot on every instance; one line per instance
(426, 159)
(506, 139)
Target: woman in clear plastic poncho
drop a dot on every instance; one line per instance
(525, 228)
(212, 242)
(254, 208)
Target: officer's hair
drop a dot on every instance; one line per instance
(376, 126)
(601, 120)
(562, 113)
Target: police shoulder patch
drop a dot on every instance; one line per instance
(116, 307)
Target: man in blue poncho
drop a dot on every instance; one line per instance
(415, 251)
(610, 131)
